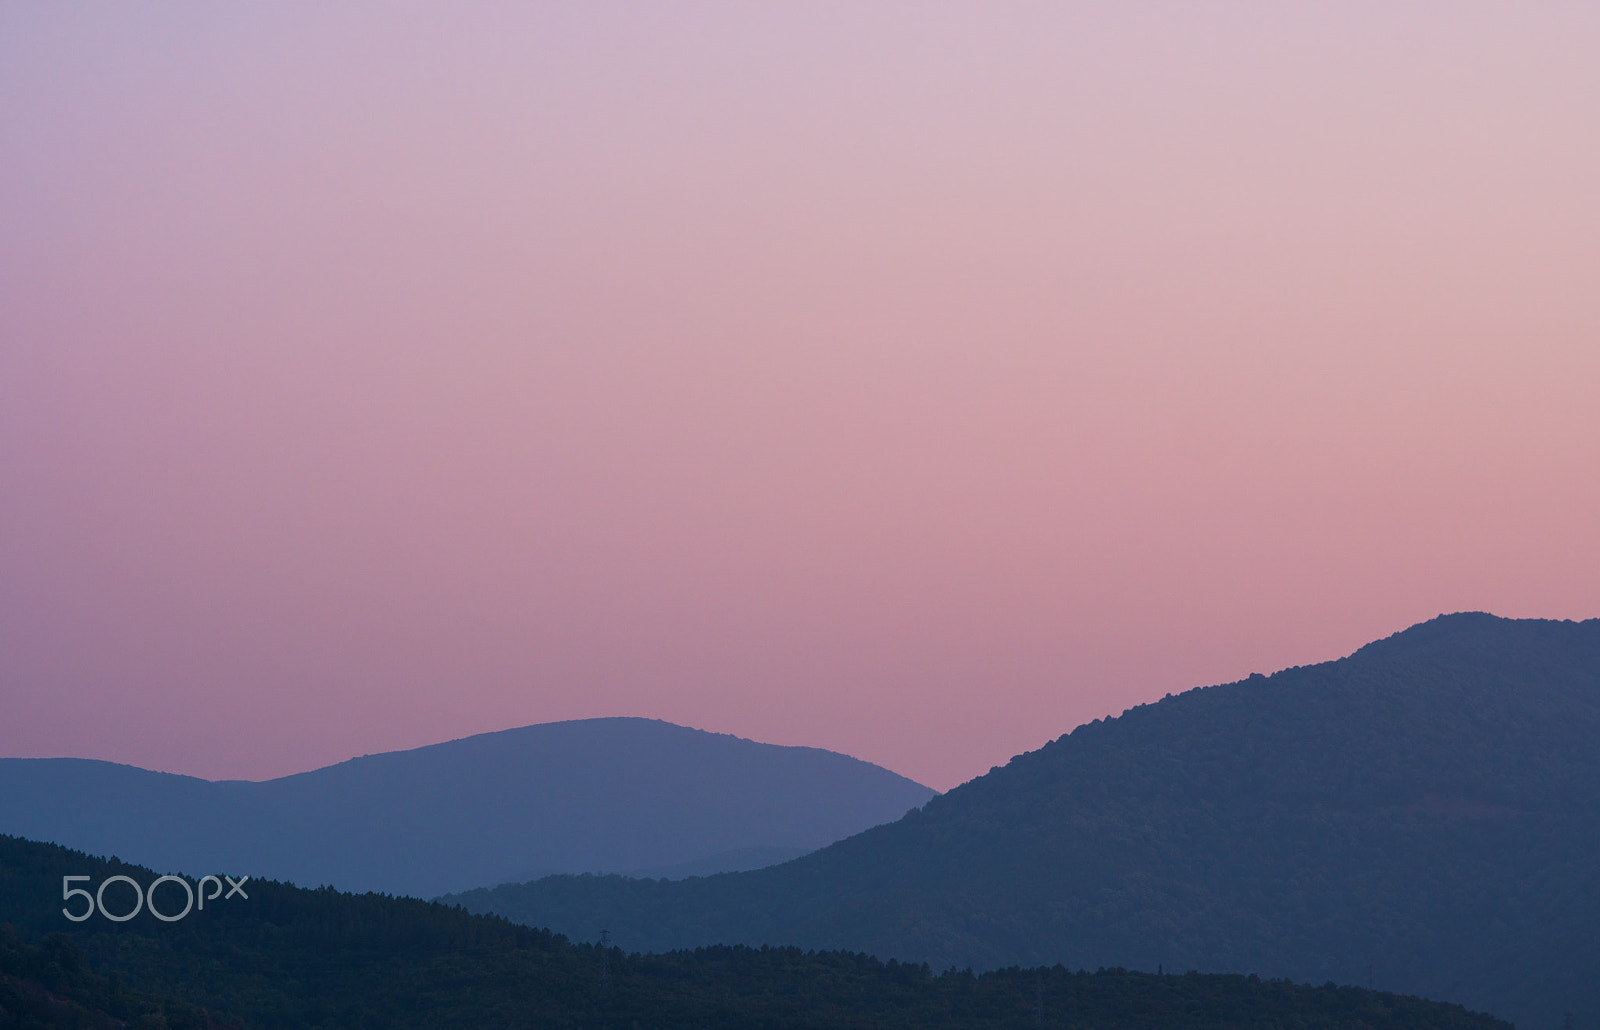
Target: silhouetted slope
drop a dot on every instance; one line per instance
(592, 795)
(1428, 807)
(292, 959)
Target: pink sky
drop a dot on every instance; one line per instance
(917, 382)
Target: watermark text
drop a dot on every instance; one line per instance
(194, 897)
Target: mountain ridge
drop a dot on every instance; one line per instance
(1428, 806)
(582, 795)
(285, 958)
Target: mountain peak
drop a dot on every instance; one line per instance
(1428, 806)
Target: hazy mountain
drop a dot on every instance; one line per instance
(736, 861)
(283, 958)
(601, 795)
(1423, 815)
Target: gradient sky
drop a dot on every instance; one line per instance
(917, 381)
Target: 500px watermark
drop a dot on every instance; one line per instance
(143, 898)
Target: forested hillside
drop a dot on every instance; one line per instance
(50, 984)
(1423, 815)
(290, 958)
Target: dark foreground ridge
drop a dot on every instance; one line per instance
(50, 985)
(1423, 815)
(293, 958)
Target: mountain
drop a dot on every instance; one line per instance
(594, 795)
(283, 958)
(737, 861)
(1423, 815)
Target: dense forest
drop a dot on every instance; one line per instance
(49, 984)
(1423, 815)
(291, 958)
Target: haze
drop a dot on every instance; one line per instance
(917, 382)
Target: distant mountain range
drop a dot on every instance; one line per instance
(595, 795)
(1423, 815)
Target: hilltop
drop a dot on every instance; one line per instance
(592, 795)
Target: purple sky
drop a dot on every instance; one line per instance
(917, 382)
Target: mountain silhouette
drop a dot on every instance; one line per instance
(286, 958)
(1423, 816)
(594, 795)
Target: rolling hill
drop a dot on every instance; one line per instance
(596, 795)
(1422, 815)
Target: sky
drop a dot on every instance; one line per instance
(913, 380)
